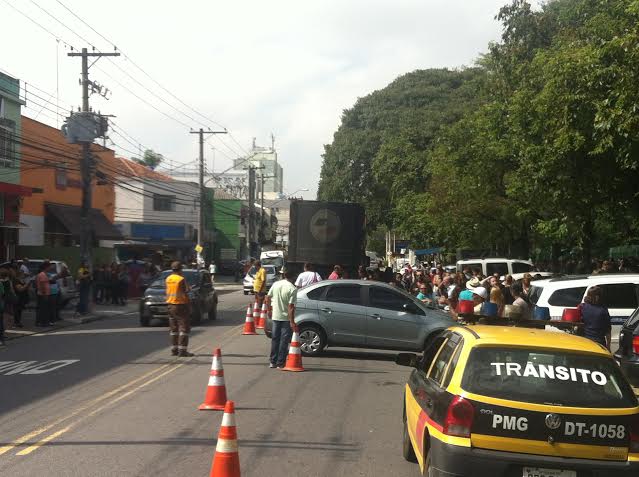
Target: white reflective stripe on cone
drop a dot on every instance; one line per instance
(216, 380)
(295, 338)
(228, 420)
(216, 365)
(226, 445)
(294, 350)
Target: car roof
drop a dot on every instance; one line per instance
(578, 280)
(529, 337)
(493, 259)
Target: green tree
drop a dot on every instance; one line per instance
(151, 159)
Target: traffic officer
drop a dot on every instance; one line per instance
(179, 311)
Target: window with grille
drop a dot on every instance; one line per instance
(164, 203)
(7, 145)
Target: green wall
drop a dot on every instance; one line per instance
(70, 255)
(226, 217)
(10, 91)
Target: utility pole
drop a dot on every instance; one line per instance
(262, 177)
(252, 199)
(201, 217)
(86, 165)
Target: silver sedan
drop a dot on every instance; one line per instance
(363, 314)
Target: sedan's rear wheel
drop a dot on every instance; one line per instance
(312, 340)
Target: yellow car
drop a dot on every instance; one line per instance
(499, 401)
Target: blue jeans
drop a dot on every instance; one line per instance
(280, 340)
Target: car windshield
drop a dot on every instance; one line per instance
(544, 376)
(192, 278)
(277, 262)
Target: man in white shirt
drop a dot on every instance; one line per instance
(23, 267)
(307, 277)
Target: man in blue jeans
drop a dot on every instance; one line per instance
(283, 297)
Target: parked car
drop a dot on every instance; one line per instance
(503, 266)
(272, 275)
(363, 314)
(201, 292)
(510, 401)
(66, 285)
(627, 356)
(620, 293)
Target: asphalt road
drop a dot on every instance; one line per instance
(109, 400)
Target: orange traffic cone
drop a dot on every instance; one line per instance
(226, 461)
(249, 324)
(215, 398)
(294, 358)
(261, 322)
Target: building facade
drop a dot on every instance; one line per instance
(12, 193)
(51, 216)
(155, 213)
(272, 172)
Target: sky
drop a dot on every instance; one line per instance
(254, 67)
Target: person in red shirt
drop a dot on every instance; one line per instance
(337, 273)
(43, 291)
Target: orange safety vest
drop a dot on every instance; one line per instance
(175, 295)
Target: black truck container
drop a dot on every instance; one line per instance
(326, 234)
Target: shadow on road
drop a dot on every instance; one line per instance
(360, 355)
(209, 443)
(342, 370)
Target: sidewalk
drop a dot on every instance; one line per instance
(68, 317)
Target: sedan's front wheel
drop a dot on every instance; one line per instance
(312, 340)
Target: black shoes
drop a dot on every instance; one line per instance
(185, 354)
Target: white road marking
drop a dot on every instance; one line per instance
(105, 331)
(9, 368)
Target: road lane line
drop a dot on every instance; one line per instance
(44, 440)
(44, 429)
(41, 430)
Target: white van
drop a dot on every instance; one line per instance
(503, 266)
(620, 293)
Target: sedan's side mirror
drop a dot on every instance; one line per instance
(407, 359)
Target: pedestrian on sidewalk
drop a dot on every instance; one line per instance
(43, 291)
(212, 270)
(282, 297)
(54, 296)
(179, 304)
(84, 285)
(123, 284)
(21, 287)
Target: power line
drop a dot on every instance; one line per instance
(128, 58)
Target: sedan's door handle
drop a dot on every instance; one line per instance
(376, 316)
(327, 310)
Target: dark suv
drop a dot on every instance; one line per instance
(627, 356)
(201, 292)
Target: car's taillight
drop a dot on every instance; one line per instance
(634, 434)
(635, 344)
(459, 417)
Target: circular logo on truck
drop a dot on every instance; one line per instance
(553, 421)
(325, 226)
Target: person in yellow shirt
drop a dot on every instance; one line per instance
(259, 282)
(179, 304)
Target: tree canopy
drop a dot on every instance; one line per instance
(535, 147)
(151, 159)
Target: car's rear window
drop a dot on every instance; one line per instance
(535, 293)
(547, 377)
